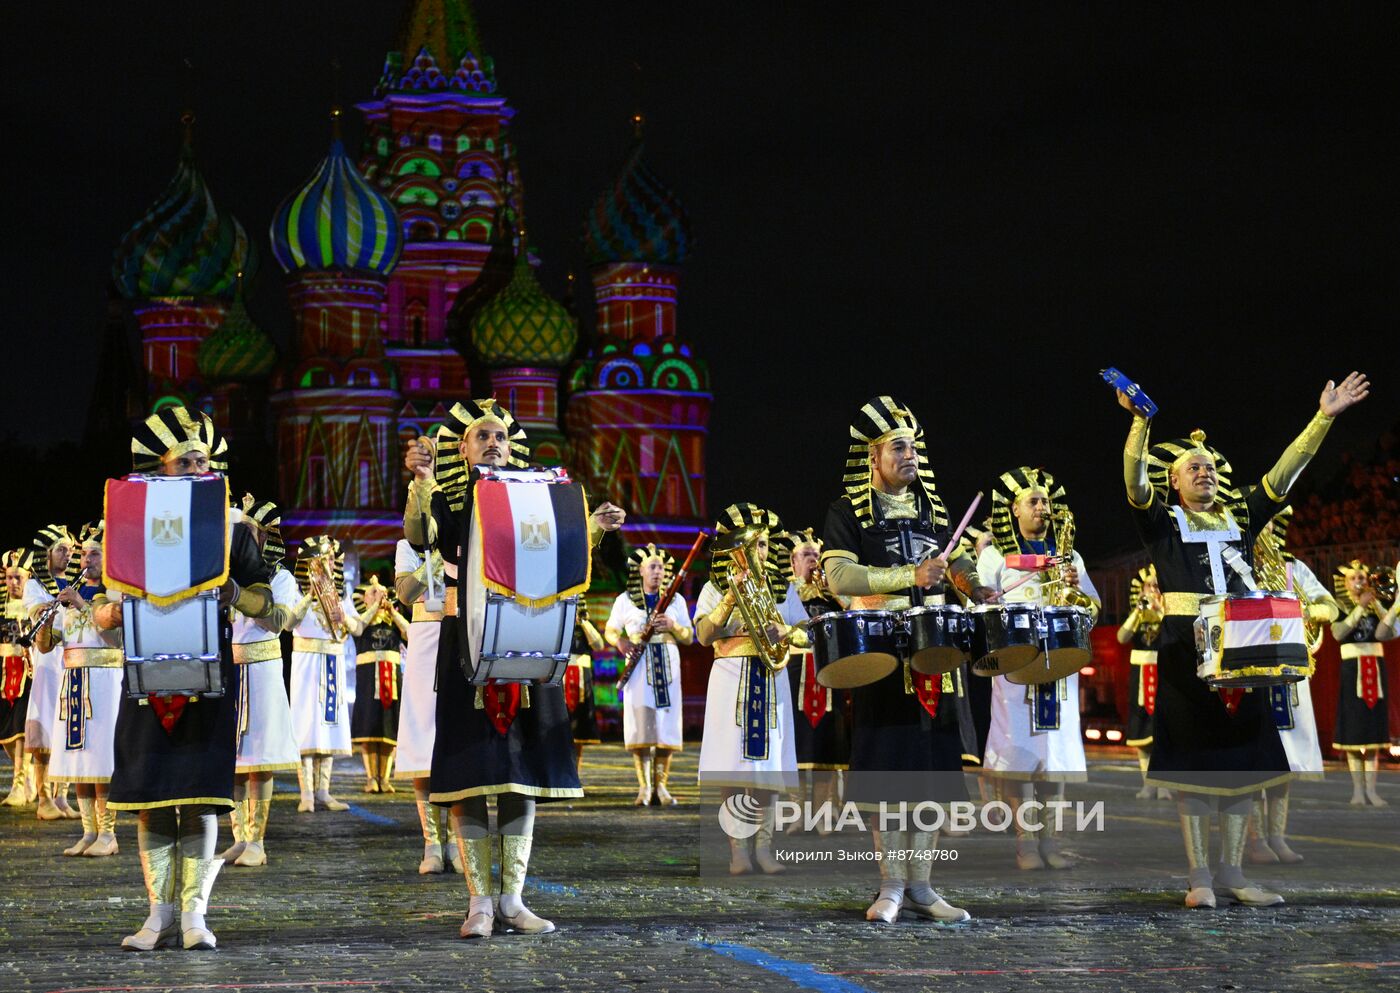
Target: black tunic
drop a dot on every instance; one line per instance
(1359, 726)
(898, 751)
(1198, 746)
(370, 719)
(535, 757)
(1139, 720)
(583, 719)
(193, 763)
(828, 744)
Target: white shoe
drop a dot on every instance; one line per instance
(330, 802)
(1200, 896)
(1284, 854)
(160, 929)
(885, 910)
(524, 922)
(308, 804)
(199, 939)
(432, 861)
(106, 844)
(253, 855)
(1147, 792)
(939, 910)
(232, 853)
(1258, 852)
(81, 846)
(1255, 896)
(48, 810)
(481, 918)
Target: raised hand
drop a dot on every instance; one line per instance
(1337, 397)
(418, 458)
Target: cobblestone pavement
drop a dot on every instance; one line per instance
(341, 906)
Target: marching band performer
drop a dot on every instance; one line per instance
(53, 555)
(651, 697)
(884, 546)
(821, 739)
(1034, 745)
(1362, 729)
(175, 756)
(418, 706)
(497, 739)
(374, 722)
(1140, 629)
(1289, 703)
(1214, 748)
(323, 677)
(265, 741)
(14, 674)
(578, 684)
(89, 699)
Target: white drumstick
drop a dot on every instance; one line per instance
(967, 518)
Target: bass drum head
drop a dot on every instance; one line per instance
(475, 607)
(937, 659)
(851, 671)
(1062, 662)
(1006, 660)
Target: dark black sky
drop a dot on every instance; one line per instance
(971, 206)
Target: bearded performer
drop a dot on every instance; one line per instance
(54, 562)
(499, 739)
(1034, 745)
(651, 697)
(821, 738)
(1215, 748)
(1362, 729)
(1290, 703)
(886, 546)
(374, 723)
(175, 756)
(265, 741)
(578, 684)
(1141, 629)
(747, 744)
(14, 673)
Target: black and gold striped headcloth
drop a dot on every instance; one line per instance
(1165, 456)
(791, 542)
(879, 420)
(358, 598)
(1339, 583)
(972, 535)
(17, 558)
(1008, 487)
(1282, 521)
(48, 536)
(309, 549)
(92, 534)
(450, 469)
(735, 520)
(266, 519)
(635, 560)
(173, 432)
(1143, 576)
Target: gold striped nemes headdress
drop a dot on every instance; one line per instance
(879, 420)
(174, 431)
(1144, 576)
(450, 468)
(1164, 457)
(1006, 491)
(266, 519)
(639, 557)
(737, 523)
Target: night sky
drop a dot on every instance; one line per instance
(974, 207)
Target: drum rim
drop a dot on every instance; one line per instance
(846, 613)
(1018, 607)
(1251, 595)
(1069, 608)
(936, 608)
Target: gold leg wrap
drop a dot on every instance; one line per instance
(260, 810)
(515, 862)
(197, 882)
(1232, 838)
(158, 871)
(476, 858)
(1195, 832)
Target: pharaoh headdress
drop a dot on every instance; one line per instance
(176, 431)
(791, 542)
(737, 523)
(1006, 491)
(450, 468)
(18, 558)
(309, 549)
(878, 421)
(48, 536)
(638, 558)
(266, 519)
(1339, 583)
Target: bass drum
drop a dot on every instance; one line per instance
(1067, 646)
(854, 647)
(938, 638)
(1005, 637)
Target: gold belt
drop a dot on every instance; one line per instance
(93, 658)
(735, 648)
(422, 613)
(257, 651)
(449, 602)
(1183, 604)
(369, 658)
(1141, 656)
(1361, 649)
(880, 601)
(9, 650)
(317, 646)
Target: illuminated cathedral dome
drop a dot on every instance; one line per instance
(639, 219)
(184, 245)
(238, 349)
(337, 221)
(522, 325)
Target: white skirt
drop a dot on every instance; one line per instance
(418, 702)
(89, 760)
(644, 725)
(722, 759)
(1014, 750)
(265, 741)
(314, 734)
(1300, 742)
(43, 700)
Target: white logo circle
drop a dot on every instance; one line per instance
(740, 816)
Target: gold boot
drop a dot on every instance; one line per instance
(1229, 874)
(662, 776)
(238, 820)
(475, 855)
(641, 761)
(196, 883)
(106, 841)
(1278, 829)
(323, 784)
(87, 811)
(256, 828)
(511, 910)
(1195, 832)
(763, 842)
(1256, 850)
(386, 771)
(890, 900)
(161, 927)
(921, 899)
(432, 837)
(371, 761)
(306, 779)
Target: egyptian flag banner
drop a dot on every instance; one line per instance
(166, 537)
(534, 538)
(1261, 631)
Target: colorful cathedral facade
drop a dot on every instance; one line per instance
(411, 286)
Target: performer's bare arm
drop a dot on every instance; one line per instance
(1336, 397)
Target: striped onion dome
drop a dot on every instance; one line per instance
(337, 221)
(238, 349)
(522, 325)
(184, 245)
(639, 219)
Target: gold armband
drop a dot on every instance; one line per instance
(889, 579)
(1135, 464)
(254, 600)
(719, 617)
(1285, 473)
(418, 506)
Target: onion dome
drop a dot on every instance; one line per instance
(639, 219)
(184, 246)
(522, 325)
(238, 349)
(337, 221)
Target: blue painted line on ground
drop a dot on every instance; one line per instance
(800, 974)
(545, 886)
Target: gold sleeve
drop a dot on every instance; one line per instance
(595, 532)
(409, 586)
(106, 615)
(255, 600)
(419, 506)
(1280, 479)
(298, 612)
(683, 635)
(1135, 464)
(280, 618)
(849, 577)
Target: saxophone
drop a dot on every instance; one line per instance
(1066, 594)
(320, 574)
(755, 603)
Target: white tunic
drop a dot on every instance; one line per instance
(323, 690)
(45, 681)
(644, 724)
(1014, 749)
(1300, 742)
(85, 718)
(722, 760)
(418, 700)
(265, 740)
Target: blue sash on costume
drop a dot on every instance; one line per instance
(756, 710)
(1045, 707)
(1281, 706)
(656, 660)
(75, 704)
(332, 689)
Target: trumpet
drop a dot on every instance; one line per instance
(754, 601)
(320, 575)
(1381, 582)
(46, 615)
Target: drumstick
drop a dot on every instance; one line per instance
(967, 518)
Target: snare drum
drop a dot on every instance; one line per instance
(1005, 637)
(1251, 639)
(1065, 646)
(172, 650)
(854, 647)
(938, 638)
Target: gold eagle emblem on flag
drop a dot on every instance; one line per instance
(534, 534)
(167, 529)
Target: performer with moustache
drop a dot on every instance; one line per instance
(1362, 728)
